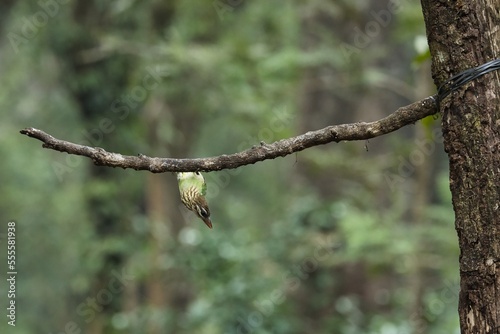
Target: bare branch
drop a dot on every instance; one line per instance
(345, 132)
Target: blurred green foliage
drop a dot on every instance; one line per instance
(336, 239)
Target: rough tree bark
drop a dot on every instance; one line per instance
(464, 34)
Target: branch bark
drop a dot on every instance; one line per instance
(335, 133)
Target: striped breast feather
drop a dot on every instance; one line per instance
(190, 196)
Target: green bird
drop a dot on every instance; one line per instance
(193, 189)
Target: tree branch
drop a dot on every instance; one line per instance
(345, 132)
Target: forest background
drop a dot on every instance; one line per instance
(353, 237)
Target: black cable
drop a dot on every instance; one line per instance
(464, 77)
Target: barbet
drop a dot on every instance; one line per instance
(193, 189)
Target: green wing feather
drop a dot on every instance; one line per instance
(203, 188)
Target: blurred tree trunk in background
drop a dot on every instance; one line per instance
(463, 35)
(168, 290)
(423, 188)
(94, 85)
(157, 198)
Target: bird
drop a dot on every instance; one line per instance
(193, 189)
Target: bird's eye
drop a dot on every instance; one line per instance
(204, 212)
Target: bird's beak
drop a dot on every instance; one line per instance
(207, 222)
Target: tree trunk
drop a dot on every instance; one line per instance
(167, 290)
(465, 34)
